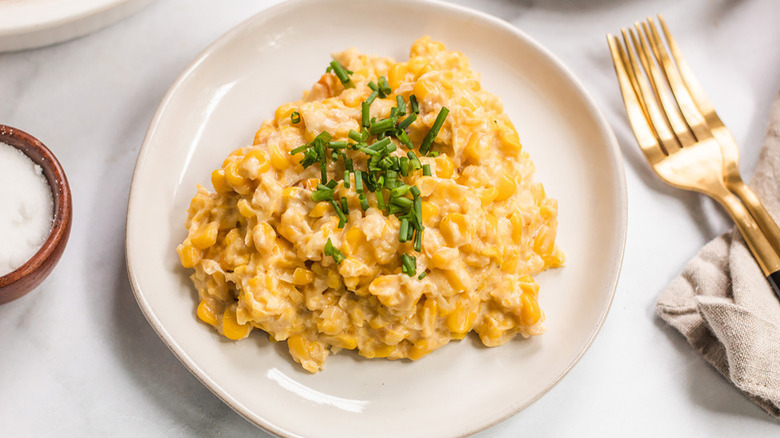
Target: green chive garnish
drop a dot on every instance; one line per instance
(413, 104)
(400, 104)
(295, 117)
(405, 123)
(342, 74)
(427, 170)
(330, 250)
(428, 140)
(404, 230)
(384, 87)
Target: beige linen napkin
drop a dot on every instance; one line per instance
(724, 306)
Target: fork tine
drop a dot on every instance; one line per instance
(647, 98)
(687, 107)
(695, 89)
(671, 111)
(645, 135)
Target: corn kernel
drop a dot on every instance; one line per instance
(415, 64)
(475, 148)
(429, 211)
(255, 163)
(396, 74)
(506, 187)
(302, 276)
(231, 328)
(488, 195)
(219, 181)
(461, 319)
(245, 208)
(424, 87)
(530, 312)
(206, 237)
(233, 175)
(319, 209)
(444, 166)
(206, 314)
(346, 342)
(188, 255)
(279, 159)
(298, 346)
(419, 349)
(517, 225)
(381, 351)
(334, 279)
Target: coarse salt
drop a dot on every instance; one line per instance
(26, 208)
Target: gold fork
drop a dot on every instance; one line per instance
(686, 88)
(683, 154)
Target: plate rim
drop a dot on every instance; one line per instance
(602, 124)
(67, 25)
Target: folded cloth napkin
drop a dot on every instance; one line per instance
(724, 306)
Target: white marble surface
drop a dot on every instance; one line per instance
(77, 358)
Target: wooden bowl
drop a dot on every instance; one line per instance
(28, 276)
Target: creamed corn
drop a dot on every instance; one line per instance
(257, 241)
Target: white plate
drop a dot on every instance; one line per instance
(25, 24)
(217, 104)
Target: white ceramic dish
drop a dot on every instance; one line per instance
(217, 104)
(25, 24)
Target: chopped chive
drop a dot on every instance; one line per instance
(359, 181)
(413, 160)
(405, 123)
(382, 126)
(384, 87)
(400, 104)
(403, 137)
(402, 202)
(380, 145)
(363, 201)
(355, 136)
(380, 199)
(418, 240)
(418, 213)
(295, 117)
(415, 191)
(300, 149)
(409, 265)
(404, 165)
(330, 250)
(337, 144)
(344, 205)
(400, 191)
(346, 178)
(348, 164)
(437, 124)
(410, 233)
(422, 275)
(413, 104)
(365, 109)
(427, 170)
(322, 195)
(339, 213)
(372, 86)
(386, 163)
(404, 230)
(342, 74)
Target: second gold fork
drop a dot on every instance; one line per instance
(678, 157)
(704, 122)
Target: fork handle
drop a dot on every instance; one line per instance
(758, 211)
(763, 251)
